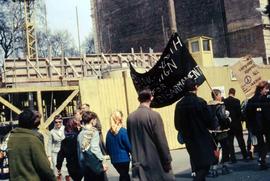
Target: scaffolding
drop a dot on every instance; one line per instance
(30, 34)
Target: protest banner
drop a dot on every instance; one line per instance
(248, 75)
(166, 79)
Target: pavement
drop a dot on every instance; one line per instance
(241, 171)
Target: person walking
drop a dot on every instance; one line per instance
(151, 158)
(68, 150)
(257, 112)
(90, 157)
(233, 105)
(193, 119)
(118, 146)
(57, 134)
(86, 107)
(222, 121)
(26, 153)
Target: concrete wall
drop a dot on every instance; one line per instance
(106, 95)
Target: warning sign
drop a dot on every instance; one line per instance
(248, 75)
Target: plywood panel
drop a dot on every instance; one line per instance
(104, 96)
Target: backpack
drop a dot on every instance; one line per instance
(223, 118)
(4, 167)
(244, 110)
(91, 162)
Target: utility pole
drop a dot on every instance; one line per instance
(172, 16)
(78, 29)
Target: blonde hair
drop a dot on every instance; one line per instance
(116, 121)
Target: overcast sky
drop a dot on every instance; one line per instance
(61, 15)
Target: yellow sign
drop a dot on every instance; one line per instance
(248, 75)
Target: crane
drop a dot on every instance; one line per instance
(31, 41)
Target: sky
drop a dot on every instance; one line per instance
(61, 15)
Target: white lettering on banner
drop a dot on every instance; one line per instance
(195, 73)
(167, 68)
(175, 45)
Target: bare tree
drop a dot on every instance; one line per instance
(11, 25)
(62, 44)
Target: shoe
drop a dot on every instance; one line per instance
(245, 159)
(262, 164)
(193, 174)
(225, 170)
(250, 155)
(263, 167)
(212, 173)
(233, 161)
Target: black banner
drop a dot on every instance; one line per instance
(166, 79)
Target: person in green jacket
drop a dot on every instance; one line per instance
(26, 153)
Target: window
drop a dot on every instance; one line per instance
(195, 46)
(206, 45)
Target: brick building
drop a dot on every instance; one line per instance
(236, 27)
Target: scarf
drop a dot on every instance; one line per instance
(87, 137)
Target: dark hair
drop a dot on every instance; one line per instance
(190, 84)
(214, 93)
(37, 118)
(88, 116)
(71, 125)
(145, 95)
(27, 119)
(232, 91)
(261, 85)
(58, 117)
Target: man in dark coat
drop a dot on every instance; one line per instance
(234, 107)
(192, 119)
(257, 118)
(151, 158)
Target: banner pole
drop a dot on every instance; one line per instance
(209, 85)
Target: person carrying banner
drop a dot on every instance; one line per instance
(257, 117)
(151, 158)
(233, 105)
(193, 119)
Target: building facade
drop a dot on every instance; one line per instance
(236, 27)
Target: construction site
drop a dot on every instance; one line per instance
(59, 85)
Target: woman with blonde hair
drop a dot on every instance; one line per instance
(118, 145)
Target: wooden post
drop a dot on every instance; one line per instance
(172, 16)
(9, 105)
(60, 108)
(124, 75)
(40, 110)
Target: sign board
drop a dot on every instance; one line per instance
(248, 75)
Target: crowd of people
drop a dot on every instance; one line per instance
(211, 127)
